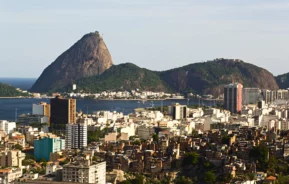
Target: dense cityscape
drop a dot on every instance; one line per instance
(245, 140)
(144, 92)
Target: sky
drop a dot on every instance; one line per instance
(154, 34)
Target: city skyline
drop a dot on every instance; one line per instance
(157, 35)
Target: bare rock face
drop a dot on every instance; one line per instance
(87, 57)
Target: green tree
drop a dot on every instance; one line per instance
(228, 178)
(136, 142)
(134, 179)
(156, 137)
(251, 176)
(175, 164)
(190, 158)
(42, 160)
(66, 161)
(226, 140)
(209, 177)
(282, 179)
(94, 136)
(153, 181)
(272, 163)
(126, 182)
(183, 180)
(139, 179)
(18, 146)
(195, 133)
(29, 156)
(260, 155)
(27, 162)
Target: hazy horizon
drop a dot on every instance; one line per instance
(157, 35)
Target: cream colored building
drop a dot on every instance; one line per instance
(110, 137)
(17, 138)
(84, 172)
(52, 168)
(12, 158)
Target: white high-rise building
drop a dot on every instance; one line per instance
(7, 126)
(178, 111)
(76, 136)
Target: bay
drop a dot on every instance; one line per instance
(24, 105)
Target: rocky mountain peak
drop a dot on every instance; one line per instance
(87, 57)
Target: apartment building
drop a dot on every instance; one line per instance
(178, 111)
(76, 136)
(12, 158)
(7, 127)
(9, 175)
(63, 111)
(233, 97)
(84, 172)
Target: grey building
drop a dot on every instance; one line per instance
(251, 96)
(76, 136)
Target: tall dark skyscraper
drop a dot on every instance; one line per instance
(233, 97)
(63, 111)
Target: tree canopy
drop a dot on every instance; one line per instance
(260, 155)
(10, 91)
(190, 158)
(183, 180)
(209, 177)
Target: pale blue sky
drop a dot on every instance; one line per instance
(155, 34)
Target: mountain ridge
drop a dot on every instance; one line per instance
(88, 64)
(203, 78)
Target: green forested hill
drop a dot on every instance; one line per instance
(9, 91)
(206, 77)
(283, 81)
(123, 77)
(209, 77)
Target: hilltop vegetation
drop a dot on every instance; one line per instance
(122, 77)
(9, 91)
(283, 81)
(202, 78)
(209, 77)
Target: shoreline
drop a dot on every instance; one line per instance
(9, 97)
(145, 100)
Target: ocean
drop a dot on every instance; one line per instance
(22, 83)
